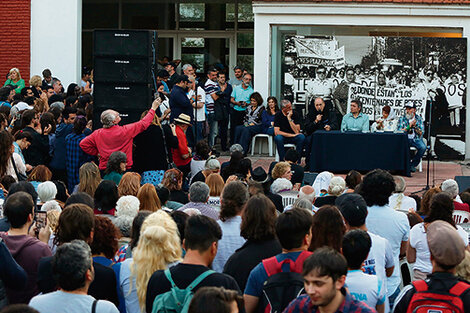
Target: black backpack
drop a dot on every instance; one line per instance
(281, 287)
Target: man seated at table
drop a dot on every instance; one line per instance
(413, 125)
(319, 117)
(355, 120)
(287, 129)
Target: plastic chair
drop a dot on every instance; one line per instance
(288, 200)
(270, 144)
(460, 217)
(406, 272)
(287, 145)
(420, 165)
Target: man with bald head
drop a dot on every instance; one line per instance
(113, 137)
(306, 192)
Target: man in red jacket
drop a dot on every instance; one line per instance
(113, 137)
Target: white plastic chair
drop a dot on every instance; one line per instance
(420, 165)
(460, 217)
(288, 200)
(287, 145)
(260, 136)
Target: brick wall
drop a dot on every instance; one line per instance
(15, 17)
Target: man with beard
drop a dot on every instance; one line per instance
(319, 117)
(324, 274)
(240, 99)
(38, 152)
(179, 102)
(342, 91)
(413, 125)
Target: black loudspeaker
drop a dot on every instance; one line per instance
(122, 96)
(127, 117)
(135, 43)
(463, 182)
(122, 70)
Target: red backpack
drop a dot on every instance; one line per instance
(424, 301)
(282, 287)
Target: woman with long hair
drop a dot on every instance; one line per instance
(417, 251)
(8, 156)
(267, 116)
(129, 184)
(216, 186)
(327, 229)
(89, 177)
(116, 166)
(148, 198)
(74, 155)
(173, 181)
(158, 248)
(154, 157)
(258, 228)
(252, 123)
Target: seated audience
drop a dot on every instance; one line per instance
(148, 198)
(127, 208)
(173, 181)
(335, 189)
(211, 165)
(202, 153)
(12, 275)
(259, 175)
(125, 251)
(233, 200)
(258, 228)
(105, 241)
(106, 197)
(398, 200)
(322, 183)
(198, 197)
(327, 228)
(452, 188)
(129, 184)
(89, 180)
(352, 179)
(282, 186)
(426, 201)
(219, 299)
(216, 185)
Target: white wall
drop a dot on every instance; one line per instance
(56, 39)
(345, 14)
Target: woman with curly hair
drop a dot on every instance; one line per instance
(116, 166)
(129, 184)
(417, 251)
(173, 181)
(89, 177)
(282, 170)
(258, 219)
(8, 156)
(105, 241)
(327, 229)
(148, 198)
(158, 248)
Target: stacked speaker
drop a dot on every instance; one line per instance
(123, 63)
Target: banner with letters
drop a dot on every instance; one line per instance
(429, 72)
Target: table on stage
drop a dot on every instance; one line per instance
(338, 151)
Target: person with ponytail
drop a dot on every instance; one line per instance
(158, 248)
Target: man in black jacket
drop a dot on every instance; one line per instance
(38, 152)
(319, 117)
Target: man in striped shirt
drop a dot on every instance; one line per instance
(211, 88)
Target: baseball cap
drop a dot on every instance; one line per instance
(445, 244)
(410, 105)
(353, 207)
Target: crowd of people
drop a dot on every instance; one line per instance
(143, 217)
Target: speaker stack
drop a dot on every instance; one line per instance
(123, 62)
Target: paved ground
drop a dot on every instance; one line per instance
(439, 171)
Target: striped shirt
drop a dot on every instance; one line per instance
(210, 88)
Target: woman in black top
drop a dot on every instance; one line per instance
(149, 146)
(258, 229)
(173, 181)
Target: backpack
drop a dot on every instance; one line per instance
(424, 301)
(177, 300)
(281, 287)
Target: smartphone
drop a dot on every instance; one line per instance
(41, 219)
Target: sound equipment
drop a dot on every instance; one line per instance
(463, 182)
(123, 61)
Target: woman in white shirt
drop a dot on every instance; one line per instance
(417, 251)
(387, 122)
(8, 156)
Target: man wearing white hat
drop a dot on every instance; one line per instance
(182, 155)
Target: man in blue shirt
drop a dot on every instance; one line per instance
(413, 125)
(355, 120)
(294, 231)
(240, 99)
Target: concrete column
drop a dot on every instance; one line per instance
(56, 39)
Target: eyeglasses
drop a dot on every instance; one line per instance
(320, 72)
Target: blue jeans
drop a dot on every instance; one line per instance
(418, 143)
(198, 133)
(281, 140)
(393, 297)
(270, 131)
(213, 125)
(243, 135)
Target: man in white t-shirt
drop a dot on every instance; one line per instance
(363, 287)
(380, 260)
(73, 266)
(376, 188)
(199, 110)
(211, 89)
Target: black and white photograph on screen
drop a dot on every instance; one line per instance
(428, 72)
